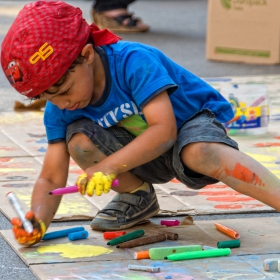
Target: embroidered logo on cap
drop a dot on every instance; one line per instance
(13, 72)
(44, 52)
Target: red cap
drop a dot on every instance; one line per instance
(113, 234)
(42, 43)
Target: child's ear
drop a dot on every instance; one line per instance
(88, 53)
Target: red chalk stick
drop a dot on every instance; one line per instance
(113, 234)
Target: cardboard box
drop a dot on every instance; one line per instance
(244, 31)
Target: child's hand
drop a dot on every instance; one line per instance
(99, 182)
(23, 237)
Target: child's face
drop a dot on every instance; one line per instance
(76, 92)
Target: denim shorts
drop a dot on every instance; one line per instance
(202, 127)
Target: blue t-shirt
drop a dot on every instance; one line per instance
(136, 73)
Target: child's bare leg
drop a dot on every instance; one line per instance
(234, 168)
(86, 154)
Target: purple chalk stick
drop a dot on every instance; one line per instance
(169, 223)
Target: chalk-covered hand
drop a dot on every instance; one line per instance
(99, 183)
(23, 237)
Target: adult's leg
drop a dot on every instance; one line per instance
(114, 15)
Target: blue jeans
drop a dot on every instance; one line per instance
(203, 127)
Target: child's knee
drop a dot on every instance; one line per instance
(80, 145)
(198, 153)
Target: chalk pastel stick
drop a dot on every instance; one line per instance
(27, 225)
(113, 234)
(235, 243)
(161, 252)
(141, 255)
(258, 101)
(230, 232)
(170, 235)
(144, 268)
(234, 119)
(78, 235)
(143, 241)
(271, 264)
(129, 236)
(61, 233)
(170, 223)
(198, 254)
(74, 189)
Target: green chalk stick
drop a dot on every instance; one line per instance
(161, 252)
(198, 254)
(235, 243)
(129, 236)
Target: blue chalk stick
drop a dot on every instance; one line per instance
(61, 233)
(78, 235)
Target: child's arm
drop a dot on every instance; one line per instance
(43, 206)
(53, 175)
(153, 142)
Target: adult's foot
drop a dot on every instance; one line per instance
(119, 20)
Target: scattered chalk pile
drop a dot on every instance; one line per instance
(123, 240)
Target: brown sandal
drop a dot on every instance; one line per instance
(116, 24)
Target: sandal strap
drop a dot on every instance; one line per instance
(132, 20)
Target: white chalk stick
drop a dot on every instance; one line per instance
(271, 264)
(144, 268)
(279, 265)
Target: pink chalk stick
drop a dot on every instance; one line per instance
(74, 189)
(258, 101)
(169, 223)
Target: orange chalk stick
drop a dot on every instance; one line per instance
(141, 255)
(230, 232)
(113, 234)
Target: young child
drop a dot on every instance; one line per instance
(121, 110)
